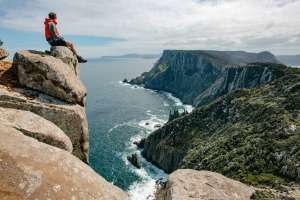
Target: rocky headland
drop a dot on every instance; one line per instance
(199, 77)
(44, 142)
(246, 124)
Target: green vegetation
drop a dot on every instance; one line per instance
(159, 69)
(151, 74)
(137, 81)
(251, 135)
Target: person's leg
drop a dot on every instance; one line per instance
(69, 44)
(80, 59)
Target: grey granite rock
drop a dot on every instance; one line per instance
(67, 56)
(30, 169)
(36, 127)
(49, 75)
(70, 118)
(203, 185)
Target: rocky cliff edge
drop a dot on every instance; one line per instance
(43, 122)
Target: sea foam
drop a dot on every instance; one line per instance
(145, 188)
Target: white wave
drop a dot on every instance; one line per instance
(121, 83)
(149, 90)
(115, 127)
(146, 187)
(153, 123)
(149, 174)
(136, 138)
(189, 108)
(177, 102)
(132, 123)
(175, 99)
(137, 87)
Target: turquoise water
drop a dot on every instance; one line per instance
(117, 114)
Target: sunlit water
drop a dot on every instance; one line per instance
(117, 114)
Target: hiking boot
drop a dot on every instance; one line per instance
(81, 60)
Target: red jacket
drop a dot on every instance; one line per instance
(47, 30)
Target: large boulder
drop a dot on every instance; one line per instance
(3, 53)
(36, 127)
(192, 184)
(70, 118)
(67, 56)
(49, 75)
(33, 170)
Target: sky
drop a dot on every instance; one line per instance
(116, 27)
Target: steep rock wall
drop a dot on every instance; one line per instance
(234, 78)
(184, 74)
(189, 74)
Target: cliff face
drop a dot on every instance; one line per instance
(250, 134)
(233, 78)
(189, 74)
(43, 122)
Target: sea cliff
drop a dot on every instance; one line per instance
(246, 122)
(250, 135)
(198, 77)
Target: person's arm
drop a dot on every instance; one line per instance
(52, 30)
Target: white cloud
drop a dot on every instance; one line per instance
(170, 24)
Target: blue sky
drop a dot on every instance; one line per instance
(103, 27)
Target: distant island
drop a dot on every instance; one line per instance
(133, 55)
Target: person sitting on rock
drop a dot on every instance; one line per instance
(53, 37)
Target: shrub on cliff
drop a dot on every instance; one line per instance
(137, 81)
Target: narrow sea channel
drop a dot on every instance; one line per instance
(119, 114)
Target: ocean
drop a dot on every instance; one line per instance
(119, 114)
